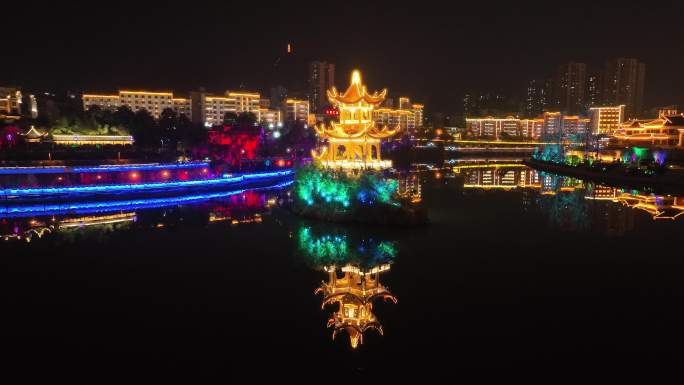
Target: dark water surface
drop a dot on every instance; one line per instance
(553, 276)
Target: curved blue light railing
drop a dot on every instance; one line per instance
(141, 167)
(18, 211)
(101, 168)
(226, 180)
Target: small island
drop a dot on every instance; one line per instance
(634, 166)
(347, 181)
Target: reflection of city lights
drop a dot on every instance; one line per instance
(226, 180)
(276, 134)
(165, 174)
(134, 175)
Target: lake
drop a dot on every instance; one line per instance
(518, 271)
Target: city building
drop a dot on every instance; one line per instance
(553, 124)
(571, 81)
(153, 102)
(270, 118)
(109, 102)
(540, 96)
(605, 120)
(246, 102)
(408, 117)
(10, 101)
(297, 110)
(182, 106)
(623, 83)
(547, 127)
(594, 86)
(532, 128)
(321, 78)
(403, 119)
(214, 108)
(493, 127)
(418, 114)
(201, 107)
(575, 125)
(14, 103)
(489, 104)
(667, 111)
(536, 99)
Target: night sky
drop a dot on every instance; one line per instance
(431, 53)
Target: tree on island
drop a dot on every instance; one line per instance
(145, 129)
(123, 117)
(177, 128)
(229, 118)
(246, 119)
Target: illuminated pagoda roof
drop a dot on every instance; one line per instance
(356, 93)
(33, 135)
(354, 141)
(354, 293)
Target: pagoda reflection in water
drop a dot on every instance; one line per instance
(354, 294)
(361, 262)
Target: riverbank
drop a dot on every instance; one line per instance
(667, 182)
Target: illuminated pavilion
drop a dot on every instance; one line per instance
(354, 142)
(354, 293)
(666, 131)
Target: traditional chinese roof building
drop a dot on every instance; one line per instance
(354, 142)
(666, 130)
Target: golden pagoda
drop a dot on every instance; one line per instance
(354, 142)
(354, 293)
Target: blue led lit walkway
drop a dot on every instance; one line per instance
(18, 211)
(226, 181)
(101, 168)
